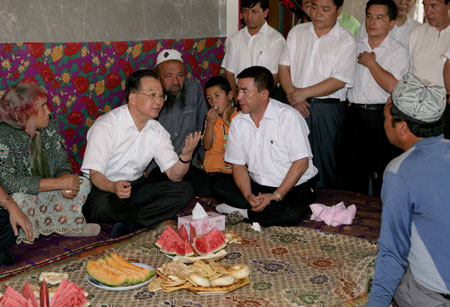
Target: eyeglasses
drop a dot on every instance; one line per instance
(154, 96)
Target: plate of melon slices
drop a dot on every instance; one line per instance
(113, 273)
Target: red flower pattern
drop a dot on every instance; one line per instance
(71, 49)
(36, 49)
(75, 118)
(120, 47)
(112, 80)
(81, 84)
(46, 74)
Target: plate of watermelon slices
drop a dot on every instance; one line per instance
(174, 243)
(102, 286)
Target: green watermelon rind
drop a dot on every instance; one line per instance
(171, 243)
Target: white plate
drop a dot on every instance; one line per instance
(105, 287)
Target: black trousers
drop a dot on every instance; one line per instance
(288, 212)
(149, 203)
(198, 178)
(325, 123)
(366, 149)
(7, 238)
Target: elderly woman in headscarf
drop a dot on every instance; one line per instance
(34, 168)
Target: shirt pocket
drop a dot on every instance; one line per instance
(279, 153)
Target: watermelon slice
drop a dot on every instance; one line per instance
(164, 236)
(188, 251)
(192, 233)
(69, 294)
(183, 233)
(210, 242)
(12, 298)
(28, 294)
(172, 243)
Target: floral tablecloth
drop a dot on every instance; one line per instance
(291, 266)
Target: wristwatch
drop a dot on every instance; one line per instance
(277, 196)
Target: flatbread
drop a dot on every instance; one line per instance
(207, 290)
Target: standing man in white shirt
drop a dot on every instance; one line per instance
(428, 42)
(403, 23)
(382, 61)
(120, 145)
(257, 44)
(270, 155)
(316, 68)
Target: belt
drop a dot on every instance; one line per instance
(370, 107)
(323, 100)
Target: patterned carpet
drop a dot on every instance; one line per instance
(55, 248)
(292, 266)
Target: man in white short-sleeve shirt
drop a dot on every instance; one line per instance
(271, 165)
(120, 146)
(315, 71)
(428, 42)
(403, 23)
(382, 61)
(256, 44)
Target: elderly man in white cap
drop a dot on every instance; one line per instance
(413, 264)
(183, 113)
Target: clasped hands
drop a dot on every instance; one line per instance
(70, 185)
(261, 201)
(297, 99)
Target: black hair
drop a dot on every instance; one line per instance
(219, 81)
(419, 128)
(134, 81)
(392, 10)
(251, 3)
(338, 3)
(263, 78)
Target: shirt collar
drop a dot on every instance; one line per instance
(386, 43)
(128, 121)
(264, 29)
(269, 113)
(334, 32)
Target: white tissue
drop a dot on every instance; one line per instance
(198, 212)
(256, 226)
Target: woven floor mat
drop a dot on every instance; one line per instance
(291, 266)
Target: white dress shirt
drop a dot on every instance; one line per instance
(314, 59)
(427, 45)
(446, 55)
(118, 150)
(400, 34)
(262, 49)
(392, 56)
(270, 149)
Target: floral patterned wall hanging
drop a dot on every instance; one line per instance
(86, 80)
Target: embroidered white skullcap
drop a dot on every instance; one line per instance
(419, 99)
(168, 54)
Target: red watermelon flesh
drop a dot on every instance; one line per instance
(28, 294)
(70, 297)
(164, 236)
(12, 298)
(173, 244)
(188, 251)
(183, 233)
(210, 242)
(192, 233)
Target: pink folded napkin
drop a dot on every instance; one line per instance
(334, 215)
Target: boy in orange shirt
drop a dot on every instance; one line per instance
(218, 119)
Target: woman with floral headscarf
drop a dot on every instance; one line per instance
(34, 168)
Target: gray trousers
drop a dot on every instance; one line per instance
(325, 123)
(412, 294)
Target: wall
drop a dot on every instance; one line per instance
(110, 20)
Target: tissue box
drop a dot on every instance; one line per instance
(202, 226)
